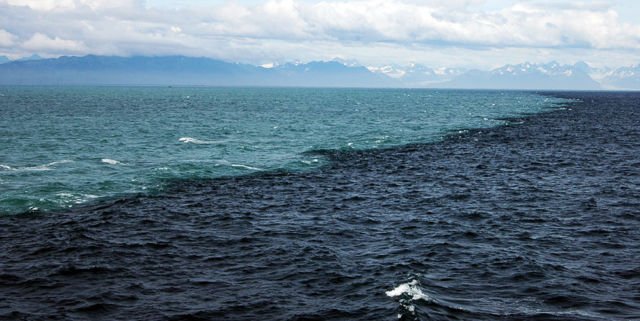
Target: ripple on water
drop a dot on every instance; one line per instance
(368, 236)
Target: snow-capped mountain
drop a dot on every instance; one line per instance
(623, 78)
(347, 62)
(326, 74)
(550, 69)
(551, 75)
(180, 70)
(415, 75)
(392, 71)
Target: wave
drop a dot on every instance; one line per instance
(74, 198)
(410, 293)
(44, 167)
(407, 293)
(110, 161)
(191, 140)
(310, 162)
(411, 289)
(246, 167)
(227, 163)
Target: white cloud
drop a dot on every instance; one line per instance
(42, 43)
(43, 4)
(366, 30)
(520, 25)
(49, 5)
(6, 38)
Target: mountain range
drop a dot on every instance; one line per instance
(181, 70)
(623, 78)
(529, 76)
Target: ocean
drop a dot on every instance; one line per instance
(64, 146)
(134, 203)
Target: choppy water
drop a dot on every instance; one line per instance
(66, 146)
(535, 220)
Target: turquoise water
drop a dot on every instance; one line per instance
(63, 146)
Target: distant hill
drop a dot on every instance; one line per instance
(32, 57)
(4, 59)
(551, 76)
(180, 70)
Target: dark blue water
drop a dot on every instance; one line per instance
(538, 219)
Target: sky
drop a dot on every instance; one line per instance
(436, 33)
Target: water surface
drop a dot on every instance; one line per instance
(63, 146)
(535, 220)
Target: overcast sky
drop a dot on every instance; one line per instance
(436, 33)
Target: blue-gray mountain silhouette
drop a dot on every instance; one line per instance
(180, 70)
(188, 71)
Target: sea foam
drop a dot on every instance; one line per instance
(224, 162)
(191, 140)
(412, 289)
(44, 167)
(110, 161)
(246, 167)
(407, 294)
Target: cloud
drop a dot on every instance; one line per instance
(6, 38)
(521, 25)
(43, 43)
(65, 5)
(43, 4)
(290, 29)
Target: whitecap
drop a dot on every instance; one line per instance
(246, 167)
(224, 162)
(64, 161)
(110, 161)
(412, 289)
(381, 139)
(310, 162)
(191, 140)
(36, 168)
(44, 167)
(74, 198)
(407, 293)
